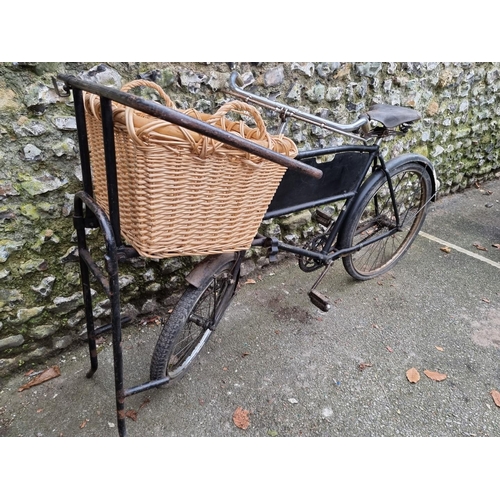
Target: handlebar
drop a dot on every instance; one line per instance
(288, 111)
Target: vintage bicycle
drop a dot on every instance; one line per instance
(383, 207)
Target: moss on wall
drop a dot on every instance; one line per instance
(40, 300)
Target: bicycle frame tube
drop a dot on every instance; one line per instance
(345, 210)
(344, 178)
(234, 276)
(376, 162)
(391, 191)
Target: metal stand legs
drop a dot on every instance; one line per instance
(110, 285)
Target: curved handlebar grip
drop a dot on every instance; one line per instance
(239, 81)
(366, 127)
(236, 81)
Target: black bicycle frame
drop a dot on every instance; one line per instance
(88, 214)
(342, 179)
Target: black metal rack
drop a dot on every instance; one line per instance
(88, 214)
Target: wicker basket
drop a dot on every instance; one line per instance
(182, 193)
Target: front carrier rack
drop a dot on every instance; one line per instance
(88, 213)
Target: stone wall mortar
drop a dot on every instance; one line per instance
(41, 309)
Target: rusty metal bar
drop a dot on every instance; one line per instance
(81, 128)
(85, 282)
(173, 116)
(98, 274)
(111, 174)
(111, 258)
(146, 386)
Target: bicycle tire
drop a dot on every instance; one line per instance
(192, 322)
(375, 213)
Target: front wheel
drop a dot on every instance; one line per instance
(192, 322)
(375, 215)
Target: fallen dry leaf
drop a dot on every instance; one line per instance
(47, 374)
(144, 403)
(240, 418)
(362, 366)
(412, 375)
(496, 245)
(132, 414)
(435, 375)
(445, 249)
(390, 349)
(480, 247)
(153, 319)
(439, 348)
(84, 423)
(250, 282)
(496, 397)
(485, 300)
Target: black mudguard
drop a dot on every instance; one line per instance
(208, 266)
(416, 158)
(379, 175)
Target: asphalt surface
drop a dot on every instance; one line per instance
(296, 371)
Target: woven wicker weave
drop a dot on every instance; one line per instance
(182, 193)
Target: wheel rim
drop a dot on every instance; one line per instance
(200, 324)
(378, 217)
(182, 358)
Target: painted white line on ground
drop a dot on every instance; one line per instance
(460, 249)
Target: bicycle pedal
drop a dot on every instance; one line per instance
(321, 301)
(322, 217)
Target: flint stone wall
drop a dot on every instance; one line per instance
(41, 308)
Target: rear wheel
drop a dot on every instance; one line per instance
(192, 322)
(376, 216)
